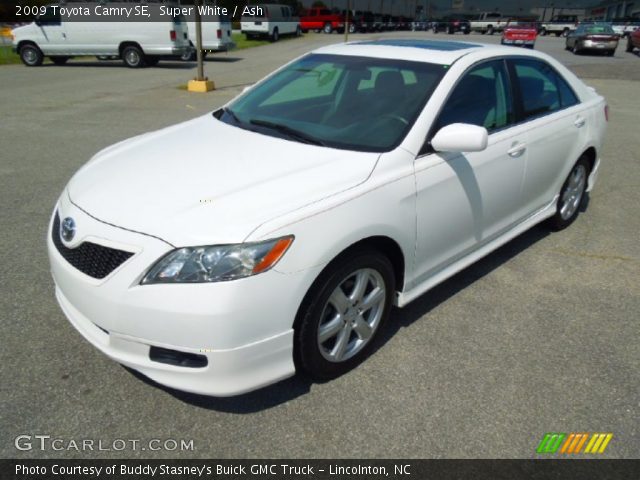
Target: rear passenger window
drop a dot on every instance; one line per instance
(542, 89)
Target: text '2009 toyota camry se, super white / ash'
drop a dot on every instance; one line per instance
(221, 254)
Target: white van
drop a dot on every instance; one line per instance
(137, 43)
(216, 36)
(270, 21)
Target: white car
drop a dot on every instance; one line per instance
(224, 253)
(270, 21)
(138, 44)
(216, 36)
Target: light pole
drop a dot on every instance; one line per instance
(200, 83)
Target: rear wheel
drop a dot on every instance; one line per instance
(576, 49)
(629, 44)
(565, 32)
(275, 36)
(31, 55)
(133, 57)
(59, 60)
(490, 30)
(571, 195)
(344, 311)
(327, 28)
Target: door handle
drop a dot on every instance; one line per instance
(580, 121)
(517, 150)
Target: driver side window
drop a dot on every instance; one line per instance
(482, 97)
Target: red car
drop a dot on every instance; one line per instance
(321, 19)
(520, 34)
(633, 40)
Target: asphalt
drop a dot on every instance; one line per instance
(540, 336)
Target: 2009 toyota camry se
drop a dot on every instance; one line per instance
(221, 254)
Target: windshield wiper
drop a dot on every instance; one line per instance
(288, 131)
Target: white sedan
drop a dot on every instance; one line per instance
(224, 253)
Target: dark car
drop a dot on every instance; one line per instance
(592, 37)
(633, 40)
(451, 25)
(363, 21)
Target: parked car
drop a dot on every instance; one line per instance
(271, 21)
(321, 19)
(593, 37)
(363, 21)
(624, 26)
(559, 25)
(354, 178)
(138, 44)
(421, 24)
(451, 25)
(488, 22)
(216, 36)
(520, 33)
(633, 40)
(378, 23)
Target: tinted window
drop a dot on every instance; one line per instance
(358, 103)
(543, 90)
(481, 98)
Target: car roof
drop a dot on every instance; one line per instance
(431, 51)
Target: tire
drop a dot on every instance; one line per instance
(490, 30)
(133, 57)
(275, 36)
(322, 357)
(189, 55)
(298, 31)
(327, 28)
(59, 60)
(576, 49)
(629, 45)
(31, 55)
(543, 31)
(565, 32)
(572, 195)
(352, 28)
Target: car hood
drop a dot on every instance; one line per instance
(206, 182)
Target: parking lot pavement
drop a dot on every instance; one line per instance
(541, 336)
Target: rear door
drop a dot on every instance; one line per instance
(557, 126)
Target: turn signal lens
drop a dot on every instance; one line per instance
(274, 255)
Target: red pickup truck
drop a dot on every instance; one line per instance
(321, 19)
(520, 33)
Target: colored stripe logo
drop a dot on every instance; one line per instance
(572, 443)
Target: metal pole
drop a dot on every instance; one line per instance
(200, 76)
(346, 23)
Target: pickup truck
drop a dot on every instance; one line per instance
(560, 25)
(489, 22)
(321, 19)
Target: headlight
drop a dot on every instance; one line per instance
(217, 263)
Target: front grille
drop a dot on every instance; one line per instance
(92, 259)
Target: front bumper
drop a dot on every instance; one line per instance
(243, 327)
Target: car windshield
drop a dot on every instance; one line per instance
(346, 102)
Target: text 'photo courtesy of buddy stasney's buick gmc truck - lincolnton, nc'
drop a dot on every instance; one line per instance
(273, 235)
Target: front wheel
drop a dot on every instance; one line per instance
(327, 28)
(571, 195)
(31, 55)
(275, 36)
(344, 310)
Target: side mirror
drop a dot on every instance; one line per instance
(460, 137)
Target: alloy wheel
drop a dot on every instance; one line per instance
(572, 195)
